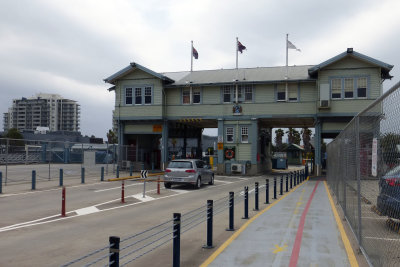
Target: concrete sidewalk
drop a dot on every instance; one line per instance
(298, 229)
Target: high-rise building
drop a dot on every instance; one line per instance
(43, 110)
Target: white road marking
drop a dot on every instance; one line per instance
(143, 199)
(179, 191)
(226, 182)
(113, 188)
(86, 211)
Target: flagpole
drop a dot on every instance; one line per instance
(191, 57)
(237, 69)
(237, 42)
(287, 68)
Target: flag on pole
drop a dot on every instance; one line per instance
(240, 47)
(195, 53)
(292, 46)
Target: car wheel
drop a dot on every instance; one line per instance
(167, 185)
(211, 182)
(198, 183)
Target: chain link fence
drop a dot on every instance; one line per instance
(364, 173)
(19, 157)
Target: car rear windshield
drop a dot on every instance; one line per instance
(394, 171)
(180, 164)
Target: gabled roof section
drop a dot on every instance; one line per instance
(133, 66)
(294, 147)
(386, 68)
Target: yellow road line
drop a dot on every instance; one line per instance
(241, 229)
(345, 239)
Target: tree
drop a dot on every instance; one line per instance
(306, 136)
(112, 137)
(278, 139)
(13, 133)
(293, 136)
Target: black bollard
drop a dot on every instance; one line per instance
(114, 251)
(231, 210)
(266, 191)
(246, 202)
(256, 197)
(176, 241)
(274, 187)
(281, 187)
(287, 183)
(209, 224)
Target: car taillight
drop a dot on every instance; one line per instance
(167, 170)
(191, 171)
(393, 181)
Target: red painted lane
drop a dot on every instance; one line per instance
(297, 243)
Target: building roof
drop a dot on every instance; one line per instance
(294, 147)
(248, 75)
(131, 67)
(386, 68)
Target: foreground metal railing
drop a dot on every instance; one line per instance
(121, 252)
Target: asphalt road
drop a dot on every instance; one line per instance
(32, 232)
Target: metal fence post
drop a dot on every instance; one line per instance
(231, 210)
(274, 187)
(1, 182)
(131, 170)
(114, 251)
(357, 133)
(281, 186)
(246, 202)
(266, 191)
(117, 171)
(33, 180)
(209, 224)
(82, 175)
(102, 174)
(61, 177)
(256, 197)
(176, 240)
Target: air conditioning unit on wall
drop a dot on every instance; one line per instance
(324, 104)
(236, 167)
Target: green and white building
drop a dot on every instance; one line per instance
(152, 108)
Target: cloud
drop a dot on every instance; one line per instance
(69, 47)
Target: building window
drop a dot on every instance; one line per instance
(128, 96)
(186, 96)
(147, 95)
(229, 134)
(281, 93)
(292, 94)
(227, 94)
(245, 134)
(348, 88)
(336, 85)
(191, 96)
(138, 96)
(248, 95)
(196, 96)
(362, 87)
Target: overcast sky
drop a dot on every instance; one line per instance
(69, 47)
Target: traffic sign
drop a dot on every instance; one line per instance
(143, 174)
